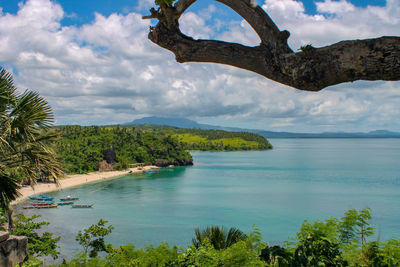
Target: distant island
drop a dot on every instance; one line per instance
(186, 123)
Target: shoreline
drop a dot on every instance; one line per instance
(74, 180)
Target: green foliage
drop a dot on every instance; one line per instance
(242, 253)
(93, 238)
(332, 242)
(3, 217)
(390, 252)
(239, 254)
(318, 244)
(33, 262)
(218, 236)
(39, 245)
(82, 148)
(355, 226)
(25, 138)
(162, 255)
(218, 140)
(276, 256)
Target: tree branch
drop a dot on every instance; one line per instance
(311, 69)
(262, 24)
(182, 5)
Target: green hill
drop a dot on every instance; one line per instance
(81, 148)
(211, 140)
(218, 140)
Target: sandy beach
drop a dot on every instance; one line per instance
(74, 180)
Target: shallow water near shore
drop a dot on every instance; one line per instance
(276, 190)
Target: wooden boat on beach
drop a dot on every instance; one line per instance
(69, 198)
(40, 207)
(82, 205)
(64, 203)
(46, 207)
(41, 198)
(43, 204)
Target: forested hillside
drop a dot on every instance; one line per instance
(81, 148)
(218, 140)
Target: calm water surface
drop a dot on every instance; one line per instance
(276, 190)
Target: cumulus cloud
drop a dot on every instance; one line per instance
(107, 71)
(335, 7)
(336, 21)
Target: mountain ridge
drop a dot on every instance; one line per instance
(187, 123)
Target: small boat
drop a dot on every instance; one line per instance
(46, 207)
(41, 198)
(82, 205)
(64, 203)
(42, 204)
(69, 198)
(28, 207)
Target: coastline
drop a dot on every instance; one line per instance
(74, 180)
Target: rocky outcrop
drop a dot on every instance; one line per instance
(104, 166)
(13, 249)
(177, 162)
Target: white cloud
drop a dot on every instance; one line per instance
(344, 21)
(107, 71)
(335, 7)
(195, 26)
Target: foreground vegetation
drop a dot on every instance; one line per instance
(25, 141)
(333, 242)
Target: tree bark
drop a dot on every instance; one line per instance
(311, 69)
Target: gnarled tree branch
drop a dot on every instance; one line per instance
(311, 69)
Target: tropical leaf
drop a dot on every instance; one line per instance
(25, 139)
(218, 236)
(8, 189)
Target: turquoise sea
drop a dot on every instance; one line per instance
(276, 190)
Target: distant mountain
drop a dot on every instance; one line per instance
(176, 122)
(186, 123)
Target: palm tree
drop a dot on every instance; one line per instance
(25, 140)
(218, 236)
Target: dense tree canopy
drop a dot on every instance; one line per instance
(311, 69)
(82, 148)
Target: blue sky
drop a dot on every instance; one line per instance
(84, 10)
(94, 64)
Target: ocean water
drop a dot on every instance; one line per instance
(275, 190)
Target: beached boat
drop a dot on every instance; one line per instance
(46, 207)
(82, 205)
(69, 198)
(41, 198)
(65, 203)
(42, 204)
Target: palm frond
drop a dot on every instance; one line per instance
(30, 115)
(8, 189)
(7, 90)
(218, 236)
(25, 139)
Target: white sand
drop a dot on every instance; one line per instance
(74, 180)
